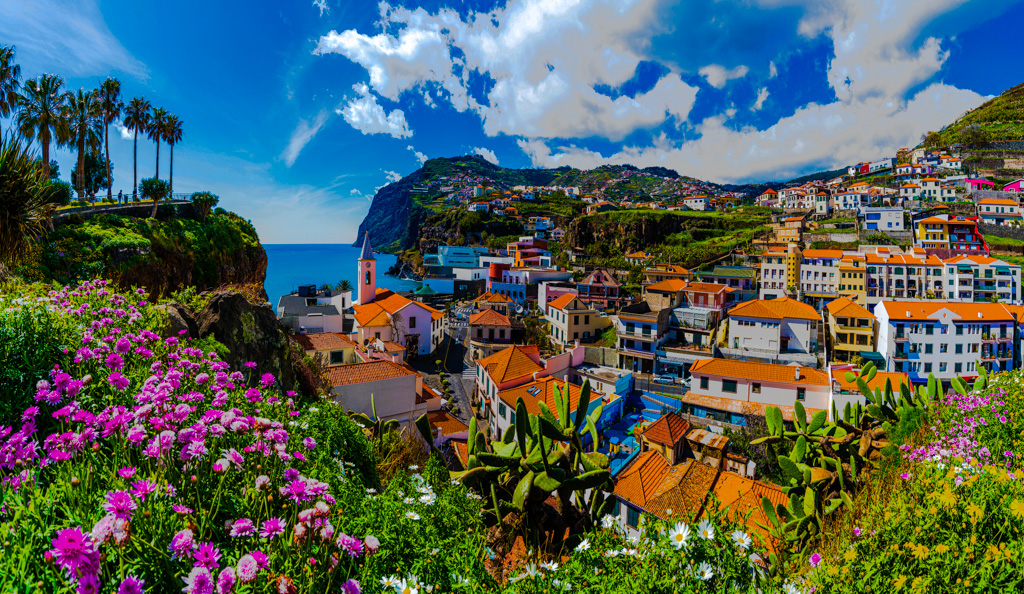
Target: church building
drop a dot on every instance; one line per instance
(384, 314)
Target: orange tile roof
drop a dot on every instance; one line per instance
(683, 491)
(776, 309)
(391, 346)
(742, 497)
(443, 420)
(823, 253)
(669, 285)
(793, 219)
(667, 268)
(927, 310)
(848, 308)
(876, 382)
(510, 363)
(325, 341)
(639, 254)
(562, 301)
(742, 407)
(998, 201)
(974, 259)
(489, 317)
(767, 372)
(667, 430)
(361, 373)
(493, 298)
(705, 287)
(639, 481)
(769, 191)
(547, 386)
(387, 303)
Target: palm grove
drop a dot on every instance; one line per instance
(45, 113)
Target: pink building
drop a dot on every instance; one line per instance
(1016, 185)
(979, 184)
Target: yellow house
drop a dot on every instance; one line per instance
(853, 279)
(330, 348)
(571, 319)
(852, 329)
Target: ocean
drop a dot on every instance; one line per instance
(291, 265)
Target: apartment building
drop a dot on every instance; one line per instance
(640, 332)
(945, 339)
(851, 328)
(726, 390)
(779, 330)
(981, 278)
(780, 271)
(950, 232)
(543, 390)
(883, 218)
(600, 288)
(570, 319)
(822, 203)
(789, 230)
(741, 281)
(933, 189)
(488, 331)
(819, 276)
(660, 272)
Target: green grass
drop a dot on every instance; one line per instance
(996, 240)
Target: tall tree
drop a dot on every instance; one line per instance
(155, 131)
(110, 108)
(10, 79)
(172, 136)
(41, 117)
(85, 120)
(136, 119)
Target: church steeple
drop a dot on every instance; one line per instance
(366, 274)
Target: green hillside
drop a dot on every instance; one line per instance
(997, 120)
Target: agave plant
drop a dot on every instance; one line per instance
(540, 456)
(27, 200)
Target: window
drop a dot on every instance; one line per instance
(502, 409)
(958, 367)
(928, 349)
(412, 322)
(959, 329)
(756, 388)
(959, 349)
(337, 357)
(729, 386)
(927, 367)
(367, 277)
(943, 348)
(703, 383)
(929, 329)
(632, 517)
(376, 335)
(801, 394)
(615, 508)
(942, 367)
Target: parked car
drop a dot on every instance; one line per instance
(664, 379)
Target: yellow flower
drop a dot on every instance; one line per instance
(920, 552)
(940, 549)
(898, 582)
(947, 498)
(849, 556)
(1017, 509)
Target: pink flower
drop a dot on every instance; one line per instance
(206, 555)
(271, 528)
(309, 443)
(181, 509)
(126, 472)
(250, 365)
(118, 381)
(262, 561)
(857, 532)
(350, 544)
(114, 361)
(121, 504)
(226, 581)
(181, 543)
(372, 544)
(73, 549)
(247, 569)
(242, 527)
(132, 585)
(199, 581)
(814, 560)
(267, 380)
(351, 587)
(905, 476)
(141, 488)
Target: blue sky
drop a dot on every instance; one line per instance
(296, 112)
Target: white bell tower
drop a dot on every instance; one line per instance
(366, 276)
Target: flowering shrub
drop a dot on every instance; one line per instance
(949, 519)
(145, 464)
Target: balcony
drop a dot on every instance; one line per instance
(900, 337)
(900, 356)
(686, 347)
(649, 335)
(635, 352)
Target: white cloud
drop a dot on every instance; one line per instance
(540, 90)
(66, 36)
(772, 70)
(487, 154)
(717, 75)
(322, 5)
(301, 136)
(392, 176)
(367, 116)
(422, 158)
(762, 95)
(125, 133)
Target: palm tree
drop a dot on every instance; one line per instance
(42, 114)
(155, 131)
(172, 136)
(110, 108)
(10, 75)
(26, 200)
(343, 285)
(85, 121)
(136, 118)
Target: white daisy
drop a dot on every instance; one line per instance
(412, 515)
(583, 546)
(607, 522)
(404, 587)
(427, 499)
(611, 553)
(389, 581)
(679, 535)
(549, 565)
(408, 501)
(704, 571)
(705, 530)
(742, 539)
(371, 491)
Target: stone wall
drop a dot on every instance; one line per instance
(995, 194)
(600, 356)
(1001, 231)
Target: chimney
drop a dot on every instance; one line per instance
(796, 373)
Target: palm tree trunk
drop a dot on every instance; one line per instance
(106, 148)
(135, 164)
(44, 143)
(170, 184)
(81, 166)
(158, 159)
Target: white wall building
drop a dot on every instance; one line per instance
(775, 330)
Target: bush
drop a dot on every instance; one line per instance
(153, 188)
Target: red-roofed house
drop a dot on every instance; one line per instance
(779, 330)
(570, 319)
(489, 330)
(600, 289)
(395, 389)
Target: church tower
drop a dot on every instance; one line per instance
(366, 276)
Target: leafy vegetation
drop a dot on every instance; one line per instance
(1000, 118)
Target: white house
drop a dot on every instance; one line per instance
(999, 211)
(726, 391)
(697, 202)
(313, 310)
(883, 218)
(943, 338)
(780, 330)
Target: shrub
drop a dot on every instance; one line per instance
(153, 188)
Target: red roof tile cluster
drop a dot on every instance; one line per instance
(669, 430)
(767, 372)
(361, 373)
(511, 363)
(325, 341)
(489, 317)
(775, 309)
